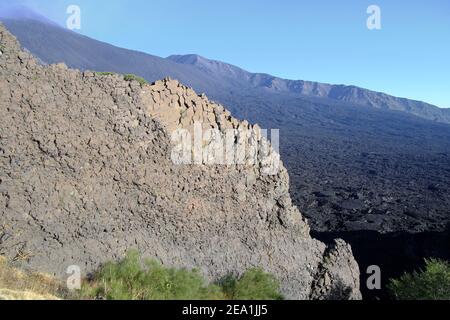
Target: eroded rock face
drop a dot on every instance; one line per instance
(203, 132)
(86, 174)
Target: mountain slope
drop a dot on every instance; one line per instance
(53, 44)
(380, 169)
(20, 12)
(86, 173)
(347, 94)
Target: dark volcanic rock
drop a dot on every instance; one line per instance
(395, 253)
(86, 174)
(342, 139)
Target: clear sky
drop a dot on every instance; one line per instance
(317, 40)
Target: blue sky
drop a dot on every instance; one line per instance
(317, 40)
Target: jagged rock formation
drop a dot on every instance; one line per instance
(214, 136)
(86, 174)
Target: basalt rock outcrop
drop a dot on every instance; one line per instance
(86, 173)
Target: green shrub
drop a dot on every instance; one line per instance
(254, 284)
(134, 279)
(105, 73)
(132, 77)
(431, 284)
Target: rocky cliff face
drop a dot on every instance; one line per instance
(87, 172)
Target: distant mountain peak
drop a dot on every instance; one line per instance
(187, 58)
(21, 12)
(208, 65)
(191, 58)
(218, 68)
